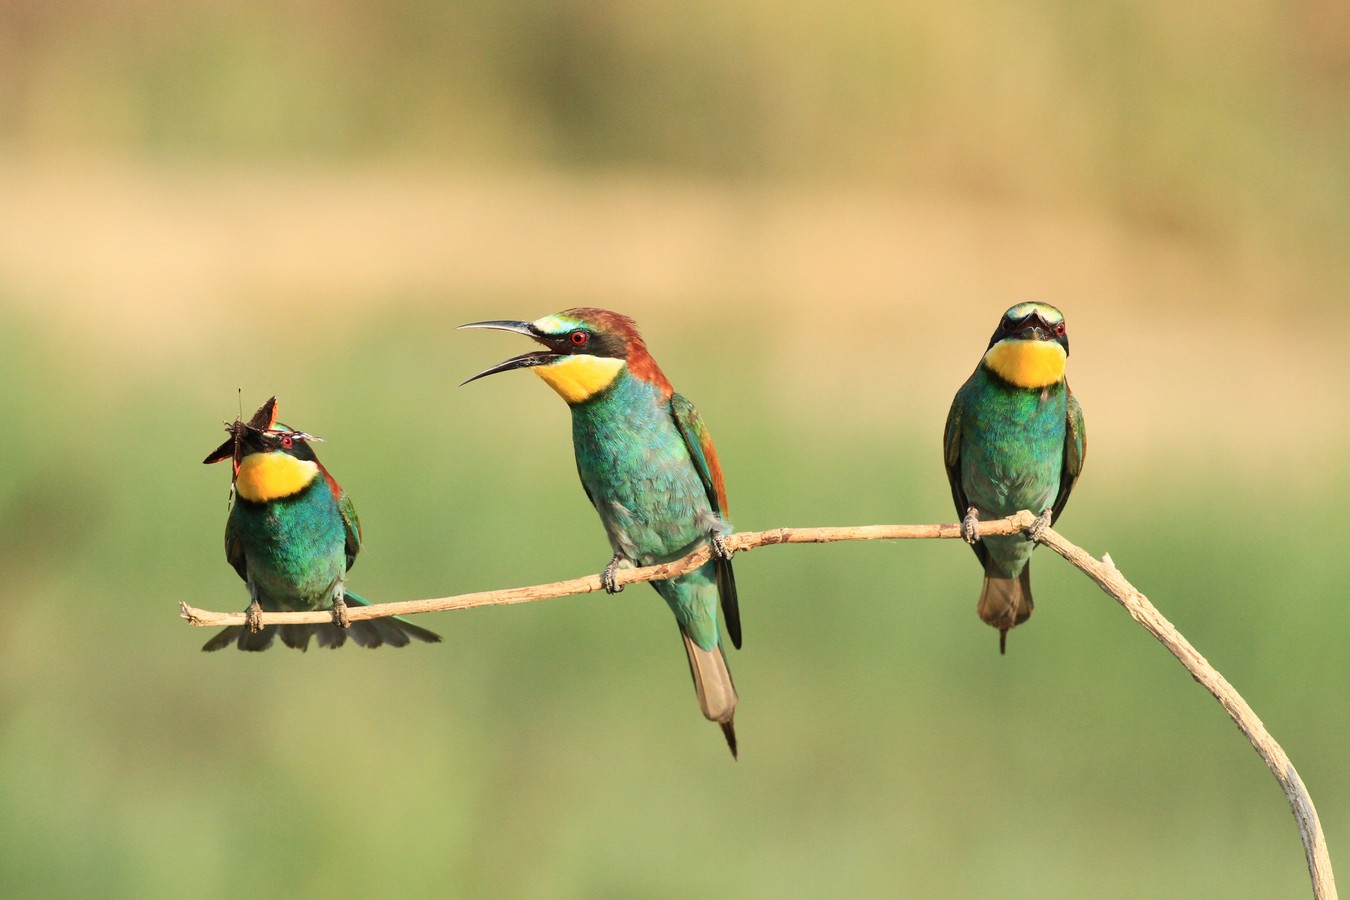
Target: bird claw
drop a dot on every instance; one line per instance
(1037, 528)
(340, 618)
(608, 577)
(253, 617)
(720, 550)
(970, 526)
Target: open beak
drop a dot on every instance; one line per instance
(1034, 328)
(524, 361)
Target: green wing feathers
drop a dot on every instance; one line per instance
(352, 525)
(709, 468)
(951, 455)
(701, 451)
(1075, 449)
(234, 549)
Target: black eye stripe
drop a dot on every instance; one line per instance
(584, 340)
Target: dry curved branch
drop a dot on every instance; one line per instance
(1110, 580)
(1102, 571)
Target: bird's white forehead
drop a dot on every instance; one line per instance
(1047, 312)
(555, 324)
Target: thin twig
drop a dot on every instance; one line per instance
(744, 540)
(1103, 572)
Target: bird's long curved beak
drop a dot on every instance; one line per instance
(524, 328)
(524, 361)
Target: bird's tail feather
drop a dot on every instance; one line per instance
(1006, 603)
(259, 640)
(370, 633)
(716, 691)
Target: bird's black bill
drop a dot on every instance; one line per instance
(525, 360)
(504, 325)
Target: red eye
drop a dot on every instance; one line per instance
(579, 338)
(287, 441)
(1059, 329)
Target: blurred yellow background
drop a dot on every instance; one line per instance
(817, 214)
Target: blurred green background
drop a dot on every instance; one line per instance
(817, 214)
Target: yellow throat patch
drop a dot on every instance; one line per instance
(1027, 364)
(271, 476)
(578, 378)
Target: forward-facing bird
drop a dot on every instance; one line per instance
(648, 466)
(292, 534)
(1014, 440)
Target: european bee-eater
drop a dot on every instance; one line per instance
(1014, 440)
(649, 468)
(292, 534)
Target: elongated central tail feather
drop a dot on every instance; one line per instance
(716, 692)
(1006, 603)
